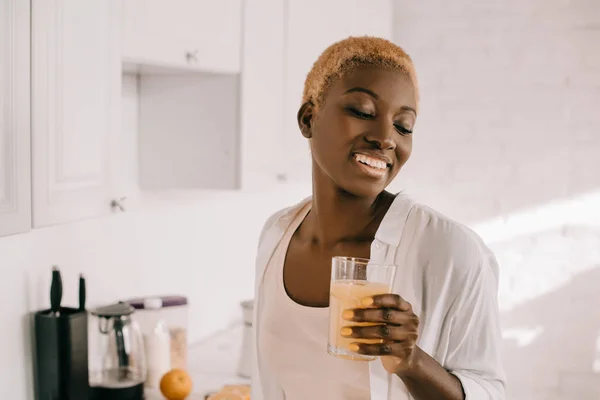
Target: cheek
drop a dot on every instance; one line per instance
(404, 149)
(338, 131)
(334, 133)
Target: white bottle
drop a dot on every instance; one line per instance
(157, 346)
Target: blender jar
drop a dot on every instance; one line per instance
(117, 366)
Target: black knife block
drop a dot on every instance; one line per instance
(61, 354)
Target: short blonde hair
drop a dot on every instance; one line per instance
(348, 54)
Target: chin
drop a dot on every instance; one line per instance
(363, 189)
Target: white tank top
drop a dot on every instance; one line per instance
(293, 342)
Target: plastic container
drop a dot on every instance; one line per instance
(157, 346)
(173, 311)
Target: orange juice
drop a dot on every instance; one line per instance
(347, 294)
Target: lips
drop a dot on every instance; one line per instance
(371, 165)
(373, 160)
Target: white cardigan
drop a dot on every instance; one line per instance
(448, 275)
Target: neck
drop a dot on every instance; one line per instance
(337, 216)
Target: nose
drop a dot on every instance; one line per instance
(382, 136)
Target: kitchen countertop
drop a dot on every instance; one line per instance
(212, 364)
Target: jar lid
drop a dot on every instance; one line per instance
(140, 303)
(153, 303)
(113, 310)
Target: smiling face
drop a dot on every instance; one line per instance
(361, 135)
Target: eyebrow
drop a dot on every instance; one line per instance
(376, 96)
(407, 108)
(363, 90)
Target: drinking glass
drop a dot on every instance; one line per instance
(351, 280)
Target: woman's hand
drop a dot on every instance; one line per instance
(397, 328)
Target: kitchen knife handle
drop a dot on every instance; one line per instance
(56, 290)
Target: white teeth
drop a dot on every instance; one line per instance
(373, 162)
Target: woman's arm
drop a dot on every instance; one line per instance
(423, 376)
(475, 336)
(428, 380)
(472, 369)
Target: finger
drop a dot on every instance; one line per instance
(383, 349)
(383, 331)
(388, 300)
(382, 315)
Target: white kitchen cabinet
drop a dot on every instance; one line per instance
(208, 126)
(183, 34)
(76, 100)
(308, 33)
(217, 130)
(15, 178)
(189, 131)
(262, 88)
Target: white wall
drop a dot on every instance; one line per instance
(510, 91)
(508, 141)
(173, 243)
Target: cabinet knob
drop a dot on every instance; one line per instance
(191, 56)
(281, 177)
(118, 204)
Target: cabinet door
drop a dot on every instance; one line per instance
(189, 34)
(15, 176)
(308, 34)
(76, 78)
(262, 93)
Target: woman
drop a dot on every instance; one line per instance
(441, 326)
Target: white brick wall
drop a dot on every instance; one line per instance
(510, 92)
(510, 122)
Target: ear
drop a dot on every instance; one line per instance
(305, 118)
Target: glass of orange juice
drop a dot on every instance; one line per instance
(352, 279)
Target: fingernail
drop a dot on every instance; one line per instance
(348, 314)
(367, 301)
(353, 347)
(346, 331)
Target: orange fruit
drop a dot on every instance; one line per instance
(176, 384)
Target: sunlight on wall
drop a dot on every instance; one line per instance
(596, 365)
(523, 336)
(583, 210)
(540, 249)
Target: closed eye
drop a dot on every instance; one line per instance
(360, 114)
(402, 130)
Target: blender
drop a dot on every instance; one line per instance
(118, 370)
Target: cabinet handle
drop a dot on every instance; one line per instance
(281, 177)
(191, 56)
(118, 204)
